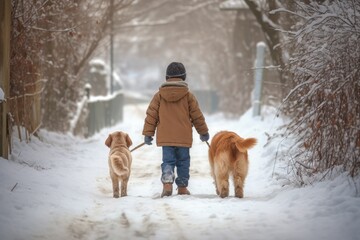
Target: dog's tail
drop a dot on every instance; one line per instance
(118, 166)
(244, 144)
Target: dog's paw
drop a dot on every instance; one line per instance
(116, 195)
(224, 195)
(239, 192)
(239, 195)
(224, 192)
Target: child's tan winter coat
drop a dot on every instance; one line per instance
(172, 112)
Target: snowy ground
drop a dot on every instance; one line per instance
(59, 188)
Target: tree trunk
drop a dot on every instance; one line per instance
(272, 36)
(5, 24)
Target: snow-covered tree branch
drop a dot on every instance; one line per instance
(325, 101)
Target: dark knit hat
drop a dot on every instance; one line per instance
(176, 70)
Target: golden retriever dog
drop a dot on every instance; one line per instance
(228, 156)
(119, 161)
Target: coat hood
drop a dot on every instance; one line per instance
(173, 90)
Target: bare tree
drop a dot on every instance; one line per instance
(75, 48)
(270, 25)
(53, 40)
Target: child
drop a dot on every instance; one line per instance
(172, 112)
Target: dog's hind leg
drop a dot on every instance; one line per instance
(221, 178)
(239, 186)
(222, 181)
(240, 172)
(223, 188)
(115, 184)
(124, 183)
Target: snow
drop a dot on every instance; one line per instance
(2, 95)
(99, 66)
(105, 98)
(58, 187)
(233, 5)
(78, 112)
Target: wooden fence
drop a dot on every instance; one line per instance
(24, 113)
(104, 112)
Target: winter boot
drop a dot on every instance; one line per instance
(167, 189)
(183, 191)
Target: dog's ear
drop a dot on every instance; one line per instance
(108, 141)
(128, 141)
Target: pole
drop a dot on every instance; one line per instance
(111, 46)
(259, 64)
(5, 24)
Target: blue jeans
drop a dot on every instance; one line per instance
(178, 157)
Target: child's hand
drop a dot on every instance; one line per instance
(148, 140)
(204, 137)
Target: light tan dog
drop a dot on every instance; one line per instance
(119, 161)
(228, 155)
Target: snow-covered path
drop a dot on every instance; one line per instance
(63, 191)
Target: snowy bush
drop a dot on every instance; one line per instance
(325, 100)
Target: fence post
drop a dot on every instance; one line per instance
(259, 64)
(5, 24)
(87, 90)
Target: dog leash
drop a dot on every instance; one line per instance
(142, 144)
(138, 146)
